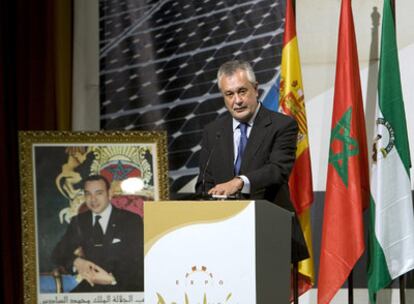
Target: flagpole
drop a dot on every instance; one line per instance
(402, 289)
(392, 2)
(351, 288)
(295, 282)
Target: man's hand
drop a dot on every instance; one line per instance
(92, 273)
(229, 188)
(101, 277)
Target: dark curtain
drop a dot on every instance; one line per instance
(31, 98)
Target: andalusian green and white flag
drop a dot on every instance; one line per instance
(391, 239)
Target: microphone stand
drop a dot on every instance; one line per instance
(203, 180)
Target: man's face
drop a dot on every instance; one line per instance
(97, 197)
(240, 95)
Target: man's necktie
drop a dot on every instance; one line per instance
(242, 146)
(97, 232)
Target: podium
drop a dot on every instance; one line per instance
(216, 252)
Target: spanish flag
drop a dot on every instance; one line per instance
(291, 102)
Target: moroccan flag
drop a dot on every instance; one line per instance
(391, 237)
(291, 102)
(347, 187)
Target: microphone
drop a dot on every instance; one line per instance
(203, 180)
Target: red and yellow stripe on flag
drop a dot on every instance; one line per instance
(291, 102)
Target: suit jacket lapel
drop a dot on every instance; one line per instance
(257, 135)
(110, 230)
(85, 226)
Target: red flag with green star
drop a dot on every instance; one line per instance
(347, 188)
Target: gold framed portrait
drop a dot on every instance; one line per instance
(55, 166)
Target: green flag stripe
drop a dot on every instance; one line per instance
(378, 275)
(389, 88)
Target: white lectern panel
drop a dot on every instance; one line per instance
(195, 262)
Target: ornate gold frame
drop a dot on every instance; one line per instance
(27, 142)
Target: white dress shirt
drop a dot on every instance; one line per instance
(236, 141)
(104, 217)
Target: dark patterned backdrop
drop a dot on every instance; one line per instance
(159, 59)
(158, 63)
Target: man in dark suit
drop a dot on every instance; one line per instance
(249, 152)
(269, 138)
(104, 245)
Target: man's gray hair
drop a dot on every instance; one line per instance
(230, 67)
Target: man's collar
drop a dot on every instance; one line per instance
(106, 213)
(251, 120)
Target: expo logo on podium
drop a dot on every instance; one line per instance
(200, 286)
